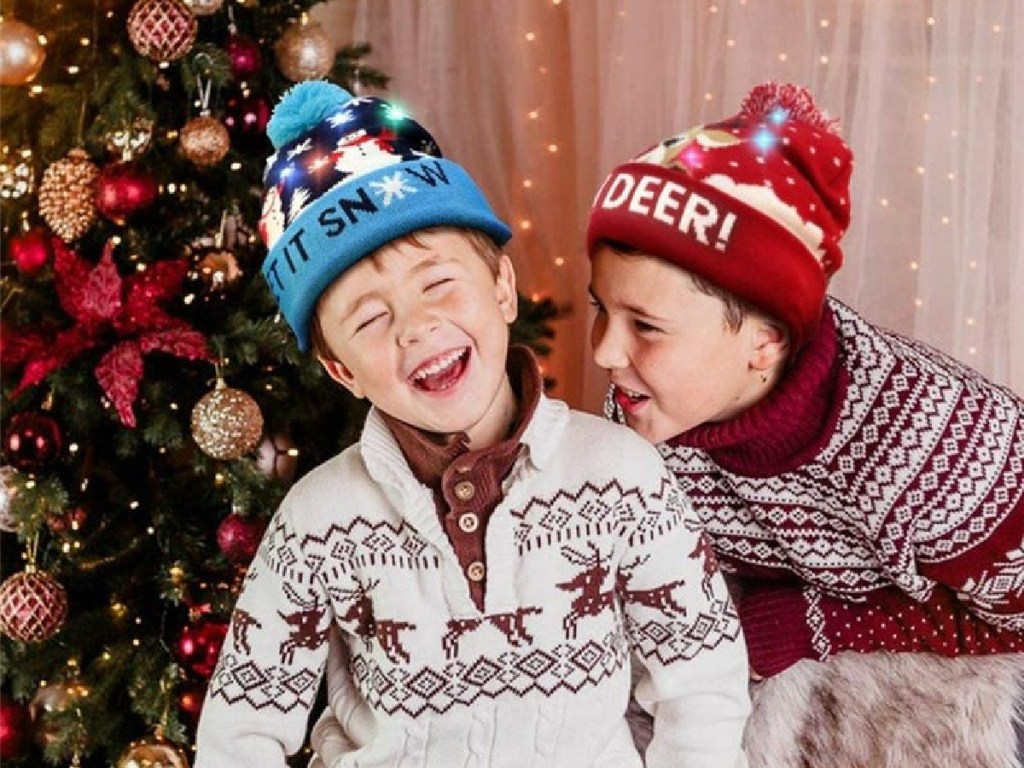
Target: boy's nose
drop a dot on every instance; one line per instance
(609, 353)
(416, 326)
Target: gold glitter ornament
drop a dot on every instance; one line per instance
(204, 141)
(153, 752)
(304, 51)
(67, 195)
(17, 173)
(226, 423)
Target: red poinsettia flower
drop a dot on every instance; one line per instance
(124, 313)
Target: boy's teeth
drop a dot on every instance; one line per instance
(437, 366)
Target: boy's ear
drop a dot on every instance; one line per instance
(338, 371)
(769, 345)
(505, 285)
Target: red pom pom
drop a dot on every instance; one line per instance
(764, 99)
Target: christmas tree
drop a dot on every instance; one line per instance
(155, 408)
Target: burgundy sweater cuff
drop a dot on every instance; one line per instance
(774, 620)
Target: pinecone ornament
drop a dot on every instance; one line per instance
(67, 195)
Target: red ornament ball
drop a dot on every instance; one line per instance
(31, 250)
(244, 56)
(32, 441)
(246, 118)
(199, 645)
(14, 728)
(69, 524)
(123, 190)
(33, 606)
(239, 537)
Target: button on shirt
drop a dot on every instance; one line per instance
(467, 484)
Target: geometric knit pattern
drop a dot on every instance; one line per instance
(920, 483)
(592, 557)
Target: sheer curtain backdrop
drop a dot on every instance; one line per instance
(540, 98)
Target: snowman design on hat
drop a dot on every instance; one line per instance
(359, 152)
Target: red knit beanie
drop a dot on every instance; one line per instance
(755, 204)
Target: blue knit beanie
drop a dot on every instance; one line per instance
(348, 176)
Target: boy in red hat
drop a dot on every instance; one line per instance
(864, 491)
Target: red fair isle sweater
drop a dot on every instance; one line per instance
(874, 501)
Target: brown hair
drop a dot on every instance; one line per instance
(734, 309)
(485, 247)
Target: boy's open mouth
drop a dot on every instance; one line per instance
(441, 372)
(629, 400)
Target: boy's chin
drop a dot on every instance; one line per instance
(651, 430)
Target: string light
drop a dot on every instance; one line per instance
(764, 139)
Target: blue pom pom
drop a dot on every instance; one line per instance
(302, 107)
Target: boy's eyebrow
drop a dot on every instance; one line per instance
(633, 308)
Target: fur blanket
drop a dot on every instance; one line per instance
(884, 710)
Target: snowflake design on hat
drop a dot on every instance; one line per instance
(347, 176)
(391, 187)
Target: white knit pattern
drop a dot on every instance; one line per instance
(591, 556)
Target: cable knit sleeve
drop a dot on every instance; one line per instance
(685, 631)
(271, 663)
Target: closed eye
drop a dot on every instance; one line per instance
(438, 283)
(644, 327)
(369, 321)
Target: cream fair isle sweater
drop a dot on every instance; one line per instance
(592, 556)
